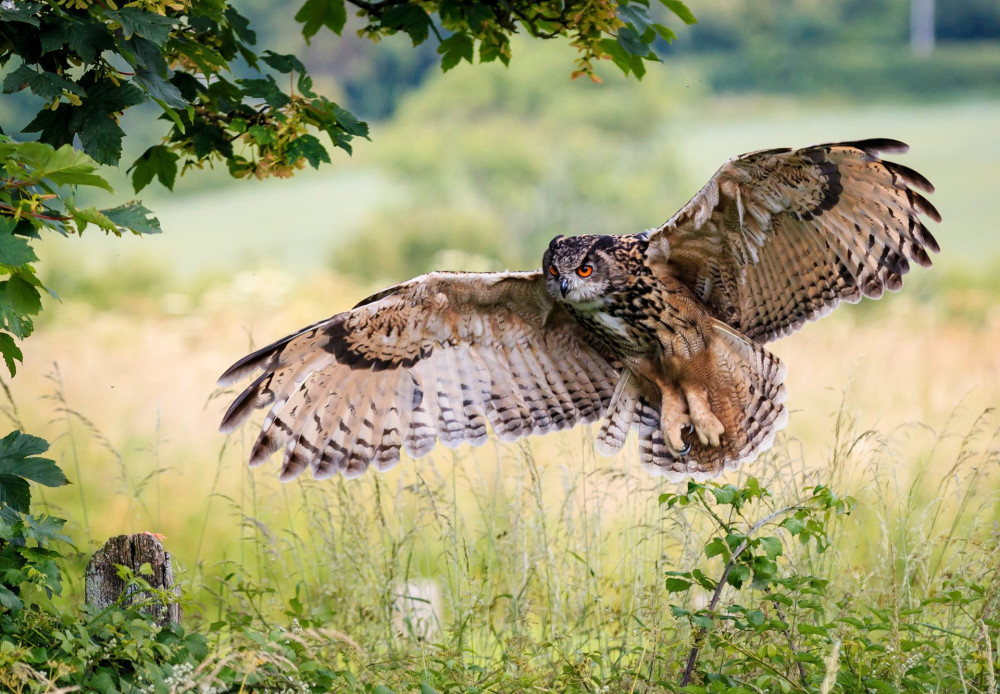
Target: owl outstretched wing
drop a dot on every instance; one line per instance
(437, 358)
(779, 237)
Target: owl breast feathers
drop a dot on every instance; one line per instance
(660, 333)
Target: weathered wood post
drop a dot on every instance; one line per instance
(104, 587)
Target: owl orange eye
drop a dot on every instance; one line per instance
(585, 270)
(553, 271)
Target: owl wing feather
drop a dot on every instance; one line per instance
(779, 237)
(439, 357)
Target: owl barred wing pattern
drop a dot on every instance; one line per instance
(779, 237)
(437, 358)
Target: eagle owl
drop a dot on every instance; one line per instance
(660, 333)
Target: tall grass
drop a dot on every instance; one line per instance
(550, 563)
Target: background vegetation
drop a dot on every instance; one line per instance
(555, 569)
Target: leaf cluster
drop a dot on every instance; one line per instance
(623, 32)
(32, 198)
(90, 61)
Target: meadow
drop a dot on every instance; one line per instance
(546, 565)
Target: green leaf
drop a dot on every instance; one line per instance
(14, 250)
(638, 67)
(134, 217)
(681, 10)
(636, 15)
(811, 630)
(283, 63)
(630, 41)
(15, 492)
(266, 89)
(23, 12)
(703, 580)
(11, 352)
(47, 85)
(716, 548)
(738, 575)
(159, 88)
(84, 216)
(350, 123)
(618, 55)
(455, 48)
(102, 139)
(54, 127)
(262, 135)
(677, 585)
(207, 59)
(309, 148)
(315, 14)
(793, 525)
(158, 161)
(149, 25)
(88, 39)
(725, 495)
(410, 19)
(18, 460)
(18, 300)
(9, 600)
(772, 546)
(63, 167)
(44, 529)
(702, 620)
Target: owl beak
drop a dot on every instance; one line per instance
(564, 286)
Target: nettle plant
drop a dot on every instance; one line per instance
(767, 611)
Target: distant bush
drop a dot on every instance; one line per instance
(871, 71)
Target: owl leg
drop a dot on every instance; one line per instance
(674, 417)
(706, 424)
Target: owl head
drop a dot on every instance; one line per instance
(580, 269)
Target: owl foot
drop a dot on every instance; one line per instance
(675, 437)
(674, 421)
(706, 425)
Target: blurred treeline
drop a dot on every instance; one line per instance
(856, 48)
(490, 163)
(479, 168)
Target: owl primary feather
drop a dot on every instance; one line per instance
(661, 333)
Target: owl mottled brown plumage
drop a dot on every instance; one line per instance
(659, 332)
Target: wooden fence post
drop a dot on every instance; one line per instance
(104, 587)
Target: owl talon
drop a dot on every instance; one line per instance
(681, 452)
(709, 430)
(673, 432)
(706, 425)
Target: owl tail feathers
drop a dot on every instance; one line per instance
(746, 392)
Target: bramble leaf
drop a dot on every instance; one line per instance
(677, 585)
(738, 575)
(19, 464)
